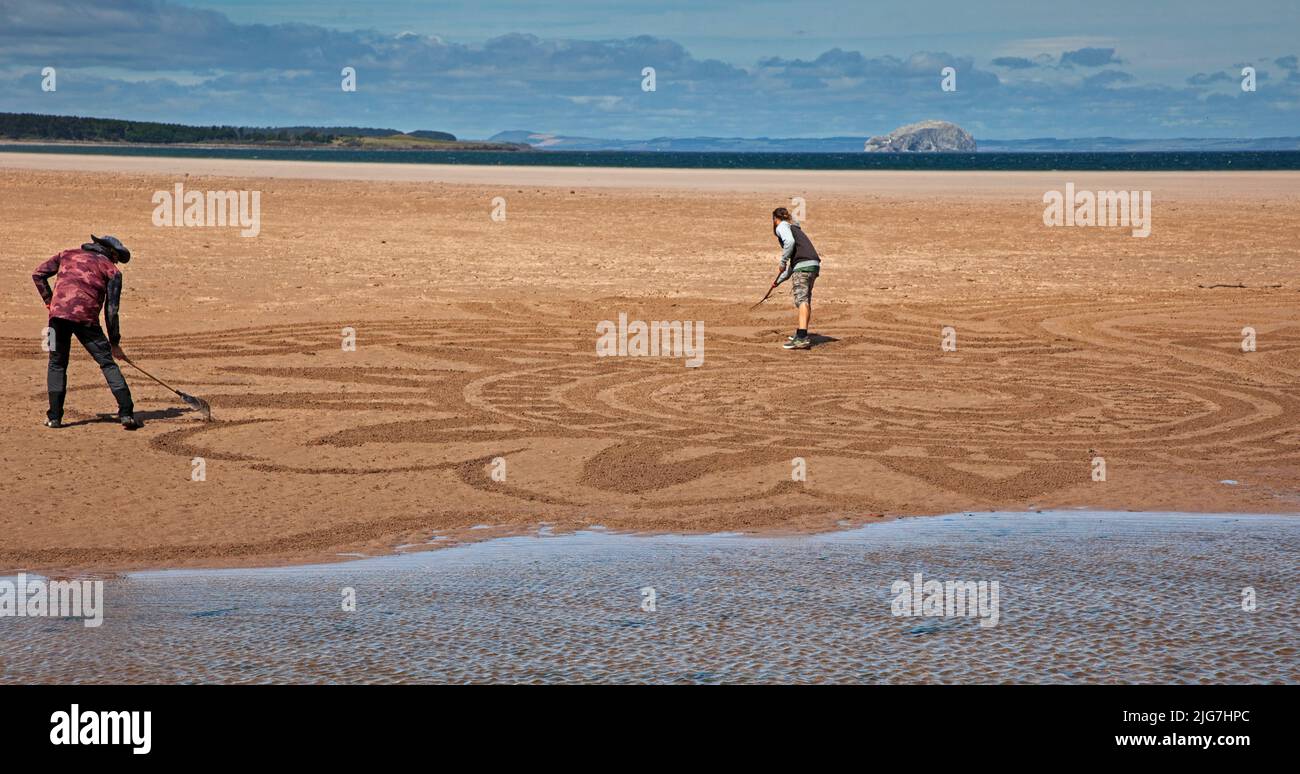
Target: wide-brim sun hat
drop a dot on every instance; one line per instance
(114, 244)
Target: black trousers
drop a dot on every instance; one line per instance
(96, 343)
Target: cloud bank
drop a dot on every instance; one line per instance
(154, 60)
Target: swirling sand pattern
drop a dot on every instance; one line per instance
(887, 422)
(1037, 402)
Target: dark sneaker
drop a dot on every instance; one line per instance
(129, 422)
(54, 424)
(798, 344)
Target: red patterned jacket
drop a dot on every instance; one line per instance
(87, 282)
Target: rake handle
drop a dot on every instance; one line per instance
(151, 376)
(766, 296)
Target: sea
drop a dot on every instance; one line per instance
(1189, 161)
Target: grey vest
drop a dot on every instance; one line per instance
(803, 246)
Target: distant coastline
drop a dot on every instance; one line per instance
(828, 146)
(83, 130)
(95, 134)
(854, 144)
(449, 146)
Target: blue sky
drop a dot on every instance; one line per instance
(753, 68)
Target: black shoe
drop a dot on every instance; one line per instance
(129, 422)
(54, 424)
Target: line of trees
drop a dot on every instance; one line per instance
(34, 126)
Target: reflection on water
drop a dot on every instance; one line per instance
(1085, 597)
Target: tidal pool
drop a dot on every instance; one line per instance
(1083, 597)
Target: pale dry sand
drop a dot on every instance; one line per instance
(476, 340)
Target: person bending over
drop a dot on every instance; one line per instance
(801, 264)
(87, 280)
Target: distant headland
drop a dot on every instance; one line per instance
(34, 127)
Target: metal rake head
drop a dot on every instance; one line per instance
(198, 404)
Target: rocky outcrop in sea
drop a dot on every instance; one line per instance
(926, 136)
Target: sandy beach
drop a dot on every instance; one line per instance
(475, 340)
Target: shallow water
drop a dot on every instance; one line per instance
(1083, 597)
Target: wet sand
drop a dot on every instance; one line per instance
(1082, 598)
(475, 340)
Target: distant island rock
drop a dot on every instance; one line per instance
(923, 137)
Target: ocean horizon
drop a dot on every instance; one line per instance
(1100, 161)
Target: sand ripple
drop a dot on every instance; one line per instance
(1085, 598)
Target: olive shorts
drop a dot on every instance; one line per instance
(803, 282)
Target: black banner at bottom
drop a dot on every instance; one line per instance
(297, 724)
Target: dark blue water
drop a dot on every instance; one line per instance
(1019, 162)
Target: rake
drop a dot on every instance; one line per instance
(764, 298)
(198, 404)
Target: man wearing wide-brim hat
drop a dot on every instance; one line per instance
(87, 280)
